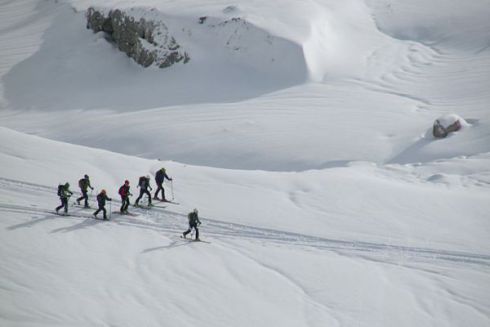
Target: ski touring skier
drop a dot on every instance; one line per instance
(144, 185)
(125, 194)
(159, 178)
(193, 223)
(101, 199)
(64, 193)
(84, 185)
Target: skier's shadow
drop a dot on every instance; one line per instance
(35, 220)
(86, 223)
(172, 245)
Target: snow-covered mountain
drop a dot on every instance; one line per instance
(301, 130)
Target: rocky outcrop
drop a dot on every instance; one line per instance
(147, 41)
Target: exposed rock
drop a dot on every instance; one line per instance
(147, 41)
(447, 124)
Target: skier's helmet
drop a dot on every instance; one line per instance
(67, 184)
(195, 211)
(163, 170)
(86, 176)
(147, 176)
(126, 182)
(103, 192)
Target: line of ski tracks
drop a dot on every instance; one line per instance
(165, 220)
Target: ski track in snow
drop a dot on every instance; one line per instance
(168, 221)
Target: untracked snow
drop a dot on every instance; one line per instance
(301, 130)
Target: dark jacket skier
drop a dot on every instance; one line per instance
(64, 193)
(101, 199)
(193, 223)
(124, 193)
(159, 178)
(84, 185)
(144, 185)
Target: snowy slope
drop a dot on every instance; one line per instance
(302, 132)
(381, 102)
(314, 261)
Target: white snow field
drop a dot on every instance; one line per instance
(301, 130)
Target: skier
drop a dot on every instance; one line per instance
(193, 223)
(84, 184)
(124, 193)
(101, 199)
(144, 184)
(64, 193)
(159, 178)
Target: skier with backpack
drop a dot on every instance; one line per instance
(144, 185)
(84, 184)
(159, 178)
(101, 199)
(125, 194)
(193, 223)
(64, 193)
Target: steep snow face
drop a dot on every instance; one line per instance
(342, 35)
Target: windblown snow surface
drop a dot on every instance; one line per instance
(301, 130)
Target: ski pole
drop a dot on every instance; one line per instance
(172, 188)
(110, 209)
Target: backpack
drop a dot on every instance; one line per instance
(60, 190)
(82, 183)
(159, 176)
(122, 191)
(142, 181)
(193, 218)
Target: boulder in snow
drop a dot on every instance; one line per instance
(447, 124)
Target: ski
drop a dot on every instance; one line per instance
(171, 202)
(97, 218)
(81, 206)
(77, 216)
(126, 214)
(61, 214)
(193, 240)
(144, 207)
(158, 206)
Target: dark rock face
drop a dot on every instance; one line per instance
(147, 42)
